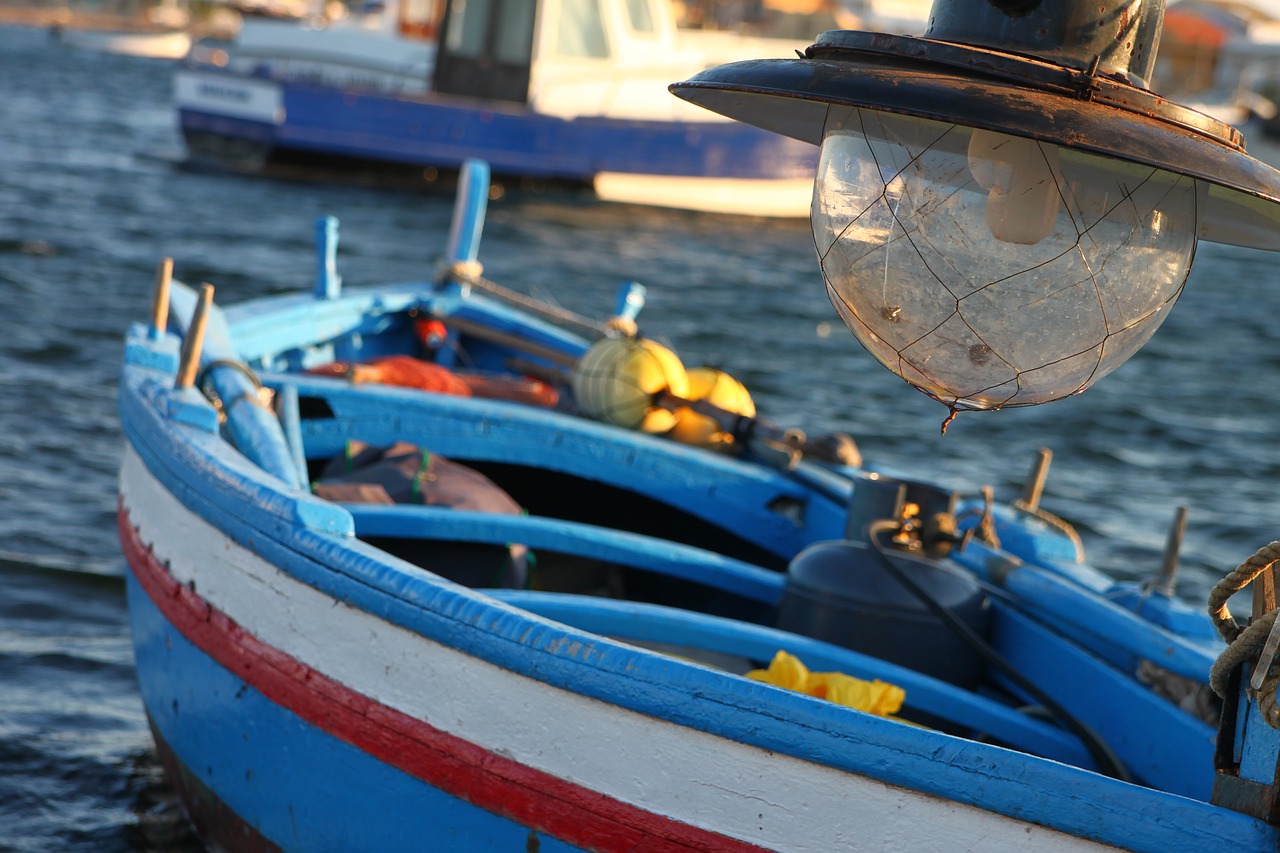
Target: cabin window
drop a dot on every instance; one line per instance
(468, 27)
(641, 16)
(581, 32)
(513, 43)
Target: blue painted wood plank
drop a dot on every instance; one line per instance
(762, 505)
(1159, 742)
(585, 540)
(653, 623)
(254, 429)
(1104, 627)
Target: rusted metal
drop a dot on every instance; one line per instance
(1242, 795)
(1231, 790)
(1120, 36)
(1050, 79)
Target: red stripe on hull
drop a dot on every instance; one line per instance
(538, 800)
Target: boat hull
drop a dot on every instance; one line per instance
(309, 690)
(325, 712)
(284, 123)
(256, 723)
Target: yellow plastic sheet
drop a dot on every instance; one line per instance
(874, 697)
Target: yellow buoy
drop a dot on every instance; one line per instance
(618, 378)
(722, 391)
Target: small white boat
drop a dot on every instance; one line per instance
(165, 44)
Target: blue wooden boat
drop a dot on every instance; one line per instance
(503, 575)
(554, 94)
(525, 613)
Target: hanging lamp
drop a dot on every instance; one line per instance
(1004, 212)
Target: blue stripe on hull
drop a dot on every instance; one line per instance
(515, 141)
(257, 132)
(300, 787)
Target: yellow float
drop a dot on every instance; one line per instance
(619, 380)
(720, 390)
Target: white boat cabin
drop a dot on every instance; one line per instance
(559, 57)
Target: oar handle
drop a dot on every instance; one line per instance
(469, 208)
(328, 283)
(777, 442)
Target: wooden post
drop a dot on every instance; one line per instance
(193, 341)
(1034, 487)
(160, 298)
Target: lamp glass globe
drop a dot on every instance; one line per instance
(990, 270)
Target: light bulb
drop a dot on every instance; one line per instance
(989, 270)
(1021, 177)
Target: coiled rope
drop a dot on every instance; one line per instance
(1246, 645)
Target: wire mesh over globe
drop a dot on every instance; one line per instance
(989, 270)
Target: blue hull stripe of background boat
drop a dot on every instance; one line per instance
(283, 799)
(337, 123)
(1026, 788)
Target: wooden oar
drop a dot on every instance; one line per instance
(558, 357)
(780, 444)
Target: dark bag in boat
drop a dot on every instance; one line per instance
(406, 474)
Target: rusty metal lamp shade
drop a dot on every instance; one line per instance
(1002, 210)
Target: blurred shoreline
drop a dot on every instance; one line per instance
(173, 26)
(66, 16)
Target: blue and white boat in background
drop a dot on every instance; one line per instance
(557, 91)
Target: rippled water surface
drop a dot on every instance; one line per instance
(91, 197)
